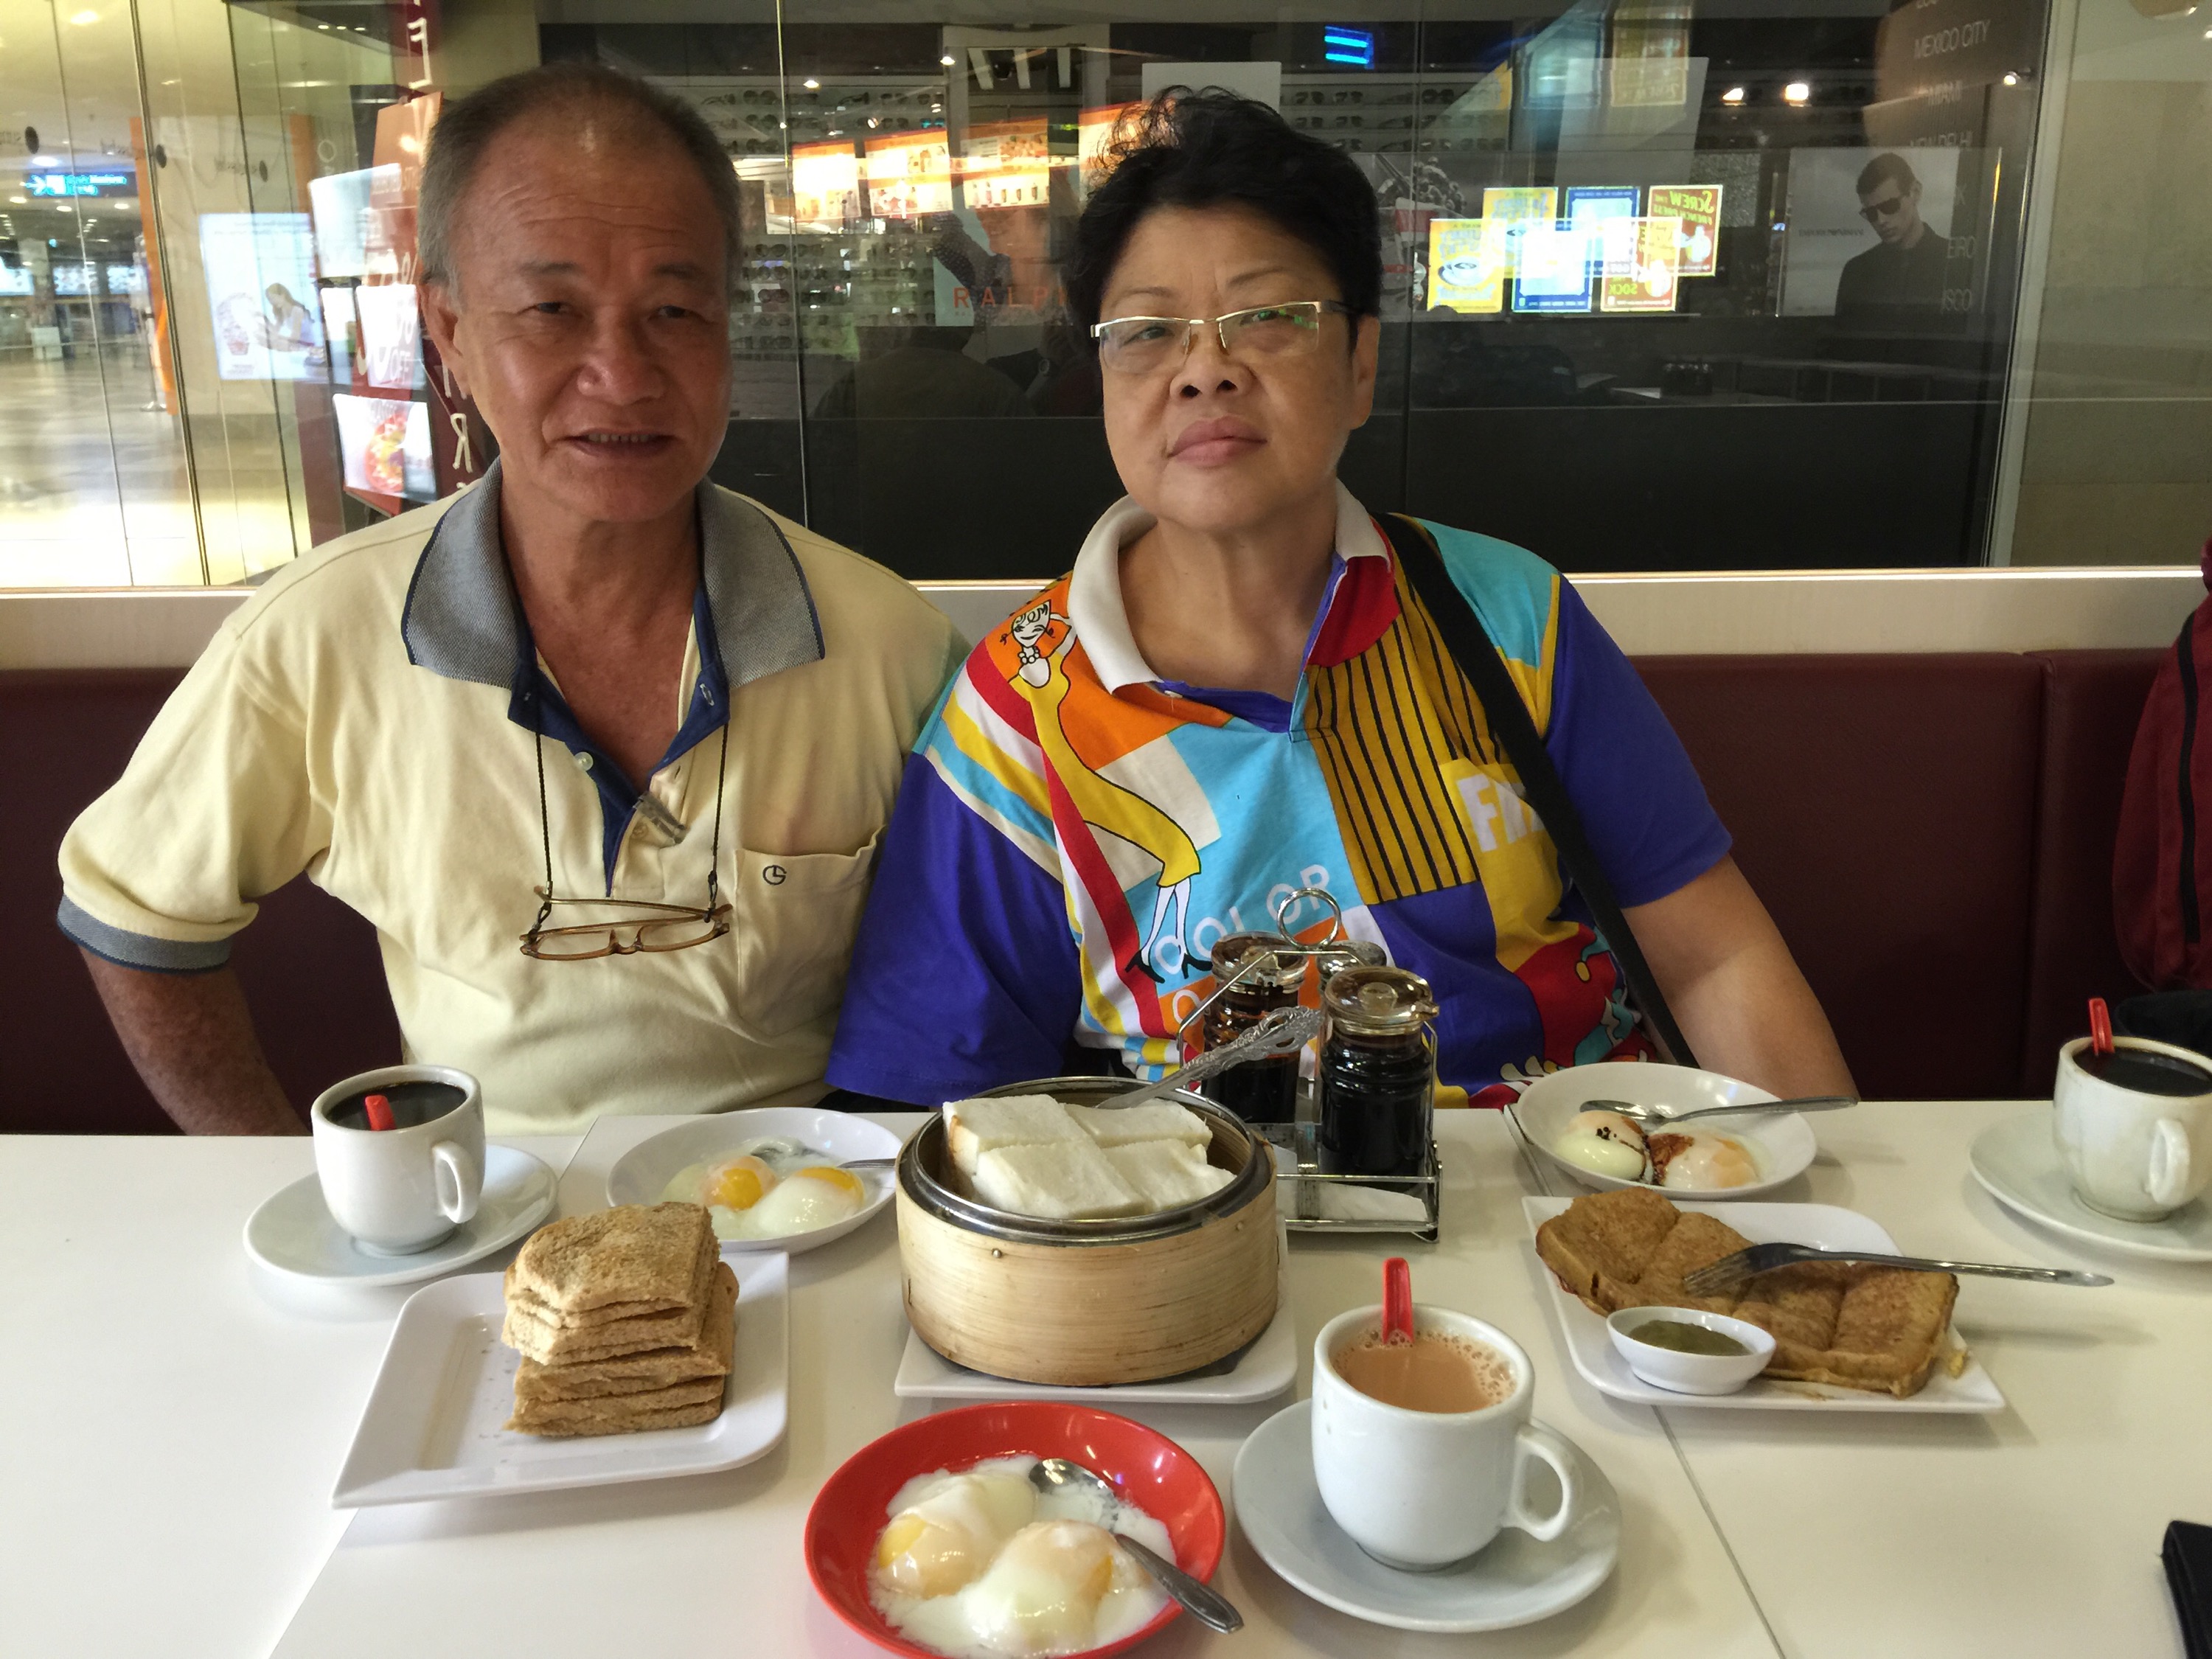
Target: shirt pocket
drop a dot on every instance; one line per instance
(792, 917)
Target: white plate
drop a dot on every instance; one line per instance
(2017, 1162)
(1782, 1144)
(1823, 1225)
(1512, 1580)
(293, 1233)
(434, 1424)
(640, 1175)
(1267, 1365)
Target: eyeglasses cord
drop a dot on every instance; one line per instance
(545, 818)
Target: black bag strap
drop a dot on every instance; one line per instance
(1477, 658)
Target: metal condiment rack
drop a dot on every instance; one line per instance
(1301, 1182)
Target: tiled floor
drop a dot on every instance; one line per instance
(94, 490)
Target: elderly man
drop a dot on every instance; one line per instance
(601, 749)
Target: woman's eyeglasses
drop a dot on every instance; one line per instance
(1146, 345)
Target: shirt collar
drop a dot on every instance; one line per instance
(461, 619)
(1093, 588)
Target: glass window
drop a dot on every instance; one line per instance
(1670, 283)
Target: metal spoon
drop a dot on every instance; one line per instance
(1208, 1607)
(1284, 1031)
(1653, 1114)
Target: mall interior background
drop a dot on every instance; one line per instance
(1621, 326)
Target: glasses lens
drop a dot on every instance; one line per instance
(1137, 345)
(1272, 331)
(680, 932)
(1884, 210)
(556, 945)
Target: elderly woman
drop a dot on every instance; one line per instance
(1237, 694)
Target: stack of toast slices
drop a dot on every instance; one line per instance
(1879, 1329)
(625, 1319)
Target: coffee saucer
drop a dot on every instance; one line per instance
(1513, 1580)
(2017, 1163)
(293, 1233)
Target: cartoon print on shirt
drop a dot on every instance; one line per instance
(1044, 640)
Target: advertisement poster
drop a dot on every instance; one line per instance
(386, 445)
(260, 270)
(1642, 265)
(1467, 265)
(825, 185)
(1698, 207)
(909, 174)
(1006, 164)
(1869, 234)
(391, 336)
(1554, 270)
(1094, 137)
(341, 202)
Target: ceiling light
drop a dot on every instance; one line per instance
(82, 18)
(947, 60)
(1797, 92)
(811, 86)
(18, 201)
(45, 160)
(1733, 95)
(2010, 79)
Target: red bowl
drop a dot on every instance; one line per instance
(1148, 1469)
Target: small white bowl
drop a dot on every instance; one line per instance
(1691, 1373)
(1781, 1144)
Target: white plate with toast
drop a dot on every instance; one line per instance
(434, 1424)
(1590, 1347)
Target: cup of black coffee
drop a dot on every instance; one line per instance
(2134, 1126)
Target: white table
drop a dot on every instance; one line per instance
(170, 1427)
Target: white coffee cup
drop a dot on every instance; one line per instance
(399, 1191)
(2133, 1156)
(1422, 1490)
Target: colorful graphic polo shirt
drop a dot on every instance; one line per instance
(1073, 833)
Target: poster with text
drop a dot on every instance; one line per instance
(1642, 265)
(391, 336)
(825, 185)
(1553, 273)
(260, 270)
(1698, 207)
(1467, 265)
(1869, 234)
(1006, 164)
(909, 174)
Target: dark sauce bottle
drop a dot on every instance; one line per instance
(1378, 1068)
(1262, 1090)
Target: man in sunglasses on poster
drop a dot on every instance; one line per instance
(601, 749)
(1903, 273)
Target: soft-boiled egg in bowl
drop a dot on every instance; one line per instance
(769, 1178)
(1563, 1117)
(931, 1541)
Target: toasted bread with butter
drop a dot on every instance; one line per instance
(640, 1258)
(649, 1370)
(1880, 1328)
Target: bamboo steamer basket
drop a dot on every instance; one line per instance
(1089, 1303)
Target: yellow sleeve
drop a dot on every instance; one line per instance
(214, 810)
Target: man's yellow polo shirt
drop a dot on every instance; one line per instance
(370, 718)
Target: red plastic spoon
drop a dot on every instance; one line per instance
(379, 1109)
(2100, 1026)
(1397, 1301)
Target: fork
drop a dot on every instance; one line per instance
(1764, 1258)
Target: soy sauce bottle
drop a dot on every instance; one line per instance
(1261, 1090)
(1379, 1069)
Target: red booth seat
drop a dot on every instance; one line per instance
(1933, 833)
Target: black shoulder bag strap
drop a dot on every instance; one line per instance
(1477, 658)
